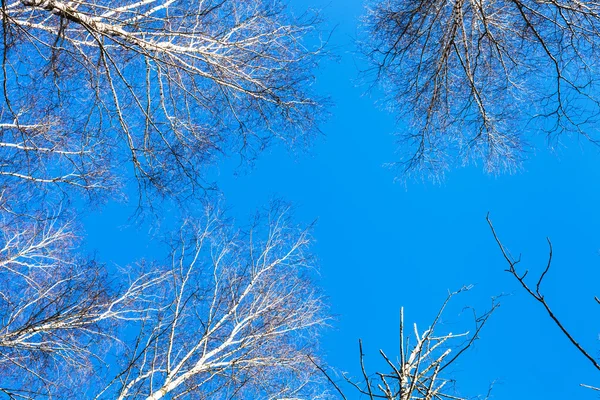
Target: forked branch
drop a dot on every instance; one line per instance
(536, 291)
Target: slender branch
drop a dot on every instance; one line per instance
(537, 295)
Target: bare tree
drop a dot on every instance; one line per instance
(419, 374)
(238, 318)
(234, 314)
(476, 77)
(96, 91)
(56, 310)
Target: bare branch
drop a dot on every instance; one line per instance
(96, 90)
(239, 315)
(417, 375)
(473, 79)
(58, 312)
(537, 294)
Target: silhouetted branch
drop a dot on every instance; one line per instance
(473, 79)
(536, 293)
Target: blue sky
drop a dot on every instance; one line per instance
(382, 245)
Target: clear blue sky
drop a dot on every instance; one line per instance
(382, 245)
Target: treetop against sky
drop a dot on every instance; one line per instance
(218, 198)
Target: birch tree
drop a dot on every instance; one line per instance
(476, 79)
(239, 319)
(234, 314)
(96, 91)
(421, 372)
(57, 311)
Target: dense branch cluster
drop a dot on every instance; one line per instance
(56, 310)
(163, 85)
(95, 93)
(234, 313)
(239, 319)
(470, 75)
